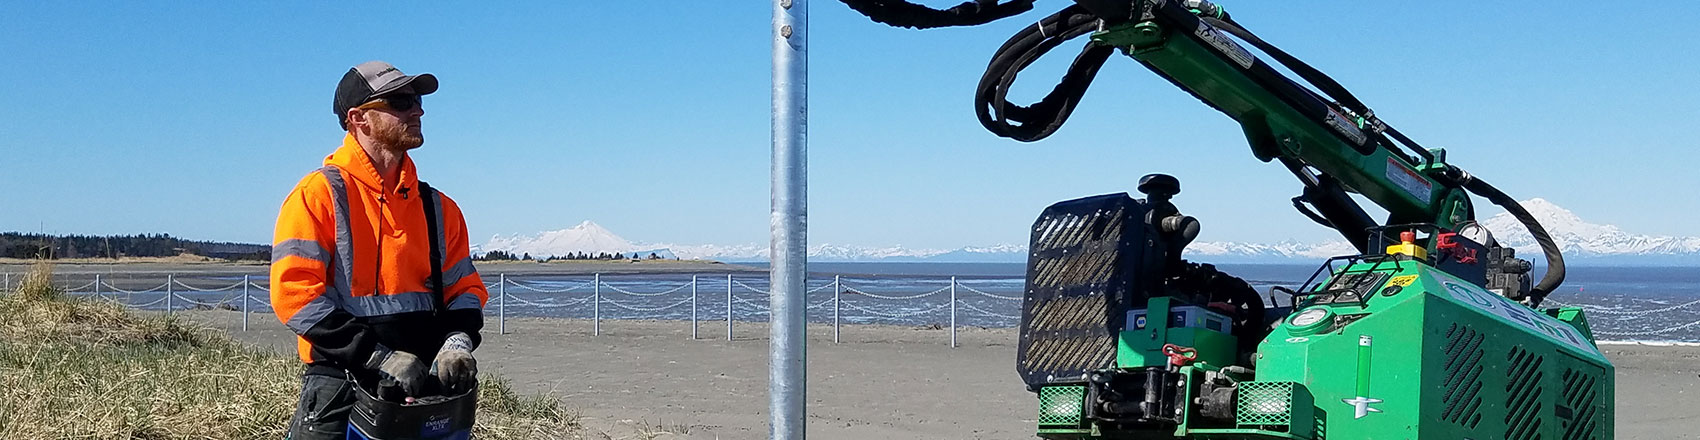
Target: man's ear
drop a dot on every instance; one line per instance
(355, 115)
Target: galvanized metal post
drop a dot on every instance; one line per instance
(836, 289)
(8, 281)
(728, 307)
(168, 294)
(97, 286)
(596, 306)
(244, 302)
(953, 312)
(693, 307)
(502, 303)
(786, 344)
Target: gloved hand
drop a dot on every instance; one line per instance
(455, 367)
(401, 366)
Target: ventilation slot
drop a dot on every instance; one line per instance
(1523, 388)
(1463, 398)
(1579, 413)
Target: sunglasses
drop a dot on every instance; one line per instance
(400, 103)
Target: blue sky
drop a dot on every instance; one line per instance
(196, 118)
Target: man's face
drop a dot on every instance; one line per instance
(395, 129)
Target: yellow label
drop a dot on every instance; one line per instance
(1402, 281)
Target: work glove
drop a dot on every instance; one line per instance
(402, 367)
(456, 370)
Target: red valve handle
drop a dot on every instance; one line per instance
(1180, 356)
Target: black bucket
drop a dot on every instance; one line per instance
(440, 418)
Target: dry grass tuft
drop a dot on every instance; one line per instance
(38, 283)
(74, 368)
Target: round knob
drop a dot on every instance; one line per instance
(1159, 185)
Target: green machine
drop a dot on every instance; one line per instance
(1432, 330)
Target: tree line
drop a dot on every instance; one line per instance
(44, 246)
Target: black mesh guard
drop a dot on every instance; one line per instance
(1082, 276)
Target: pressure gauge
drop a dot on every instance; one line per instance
(1310, 320)
(1477, 233)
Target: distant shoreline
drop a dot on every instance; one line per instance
(203, 265)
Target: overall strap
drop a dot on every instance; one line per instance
(435, 232)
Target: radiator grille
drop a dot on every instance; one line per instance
(1082, 254)
(1524, 408)
(1463, 398)
(1579, 413)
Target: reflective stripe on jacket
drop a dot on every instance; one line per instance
(351, 264)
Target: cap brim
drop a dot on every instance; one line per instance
(421, 84)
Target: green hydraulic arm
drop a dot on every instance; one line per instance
(1327, 138)
(1202, 59)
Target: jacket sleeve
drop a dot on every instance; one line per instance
(302, 285)
(465, 294)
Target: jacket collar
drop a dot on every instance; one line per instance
(356, 165)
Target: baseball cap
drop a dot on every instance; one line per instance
(372, 79)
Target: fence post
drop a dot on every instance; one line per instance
(8, 281)
(728, 307)
(244, 302)
(693, 307)
(952, 312)
(502, 303)
(168, 293)
(596, 305)
(836, 289)
(97, 286)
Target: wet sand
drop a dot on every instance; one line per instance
(880, 382)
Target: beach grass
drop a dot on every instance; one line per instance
(88, 369)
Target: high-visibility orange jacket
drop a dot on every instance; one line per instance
(351, 265)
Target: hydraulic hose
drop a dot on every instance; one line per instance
(905, 14)
(1555, 260)
(1039, 120)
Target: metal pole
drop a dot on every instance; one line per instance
(693, 307)
(728, 307)
(836, 289)
(953, 312)
(97, 286)
(596, 306)
(502, 303)
(787, 360)
(244, 302)
(168, 293)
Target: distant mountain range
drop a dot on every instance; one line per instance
(1581, 242)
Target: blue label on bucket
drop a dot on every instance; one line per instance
(435, 427)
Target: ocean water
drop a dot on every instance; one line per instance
(1622, 303)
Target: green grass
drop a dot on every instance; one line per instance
(84, 369)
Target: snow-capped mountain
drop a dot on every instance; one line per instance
(589, 237)
(1579, 240)
(1576, 238)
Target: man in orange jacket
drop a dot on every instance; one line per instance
(370, 266)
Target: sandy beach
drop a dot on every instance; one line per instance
(649, 379)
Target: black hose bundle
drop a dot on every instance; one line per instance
(905, 14)
(1555, 260)
(1039, 120)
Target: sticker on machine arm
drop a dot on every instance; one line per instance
(1345, 126)
(1225, 45)
(1408, 180)
(1538, 322)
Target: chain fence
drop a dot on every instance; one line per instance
(697, 298)
(940, 302)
